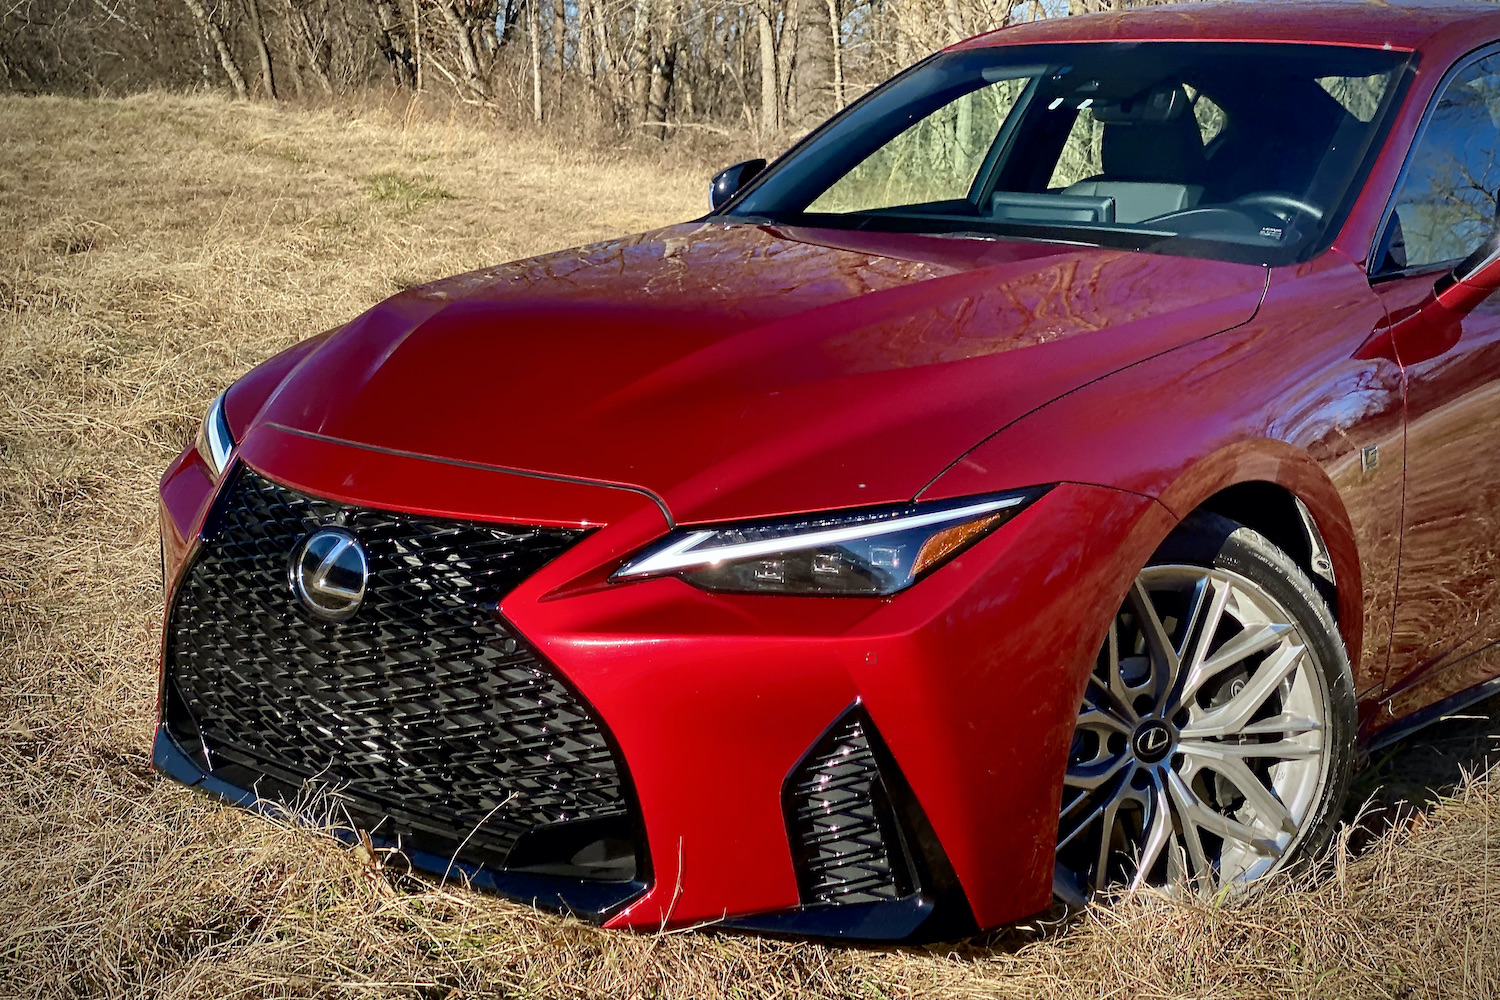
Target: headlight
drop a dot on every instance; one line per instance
(214, 441)
(869, 552)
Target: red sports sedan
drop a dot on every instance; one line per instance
(1052, 475)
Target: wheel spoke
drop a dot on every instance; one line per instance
(1098, 696)
(1091, 775)
(1197, 811)
(1281, 749)
(1202, 873)
(1233, 715)
(1106, 841)
(1249, 642)
(1211, 599)
(1098, 718)
(1284, 724)
(1157, 835)
(1164, 659)
(1267, 806)
(1083, 824)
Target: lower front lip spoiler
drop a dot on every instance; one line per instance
(588, 900)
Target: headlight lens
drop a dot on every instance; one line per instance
(862, 553)
(214, 441)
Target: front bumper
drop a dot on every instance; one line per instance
(970, 679)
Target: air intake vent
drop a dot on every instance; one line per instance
(423, 712)
(845, 840)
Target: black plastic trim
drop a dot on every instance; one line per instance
(934, 906)
(1422, 718)
(588, 899)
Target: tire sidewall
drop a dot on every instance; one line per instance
(1211, 541)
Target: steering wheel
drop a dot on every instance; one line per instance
(1273, 200)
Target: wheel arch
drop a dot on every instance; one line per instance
(1266, 485)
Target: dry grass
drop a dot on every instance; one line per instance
(152, 249)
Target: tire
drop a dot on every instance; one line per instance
(1179, 725)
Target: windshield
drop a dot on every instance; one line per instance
(1242, 151)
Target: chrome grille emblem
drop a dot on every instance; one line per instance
(328, 572)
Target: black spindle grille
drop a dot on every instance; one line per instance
(422, 711)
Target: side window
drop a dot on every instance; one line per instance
(1082, 155)
(1210, 117)
(1446, 206)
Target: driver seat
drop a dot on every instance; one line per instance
(1149, 167)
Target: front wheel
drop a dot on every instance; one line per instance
(1214, 744)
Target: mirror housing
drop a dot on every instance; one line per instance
(1473, 280)
(728, 183)
(1432, 327)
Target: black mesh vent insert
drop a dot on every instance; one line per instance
(421, 711)
(845, 841)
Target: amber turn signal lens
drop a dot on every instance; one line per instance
(948, 541)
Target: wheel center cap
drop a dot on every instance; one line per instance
(1152, 742)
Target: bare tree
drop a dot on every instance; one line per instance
(312, 39)
(258, 35)
(770, 102)
(836, 31)
(221, 47)
(534, 23)
(476, 80)
(392, 42)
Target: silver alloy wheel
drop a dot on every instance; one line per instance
(1199, 749)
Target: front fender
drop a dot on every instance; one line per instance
(1282, 400)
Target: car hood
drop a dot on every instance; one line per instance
(740, 370)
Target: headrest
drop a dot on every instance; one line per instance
(1165, 151)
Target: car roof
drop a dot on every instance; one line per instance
(1397, 24)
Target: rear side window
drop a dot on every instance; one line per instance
(1446, 205)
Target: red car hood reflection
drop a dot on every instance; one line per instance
(741, 370)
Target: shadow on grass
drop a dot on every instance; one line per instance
(1413, 773)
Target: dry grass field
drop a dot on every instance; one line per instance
(151, 250)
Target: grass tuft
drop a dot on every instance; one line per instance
(410, 194)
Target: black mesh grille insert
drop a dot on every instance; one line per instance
(844, 836)
(421, 711)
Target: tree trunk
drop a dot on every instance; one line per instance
(317, 54)
(956, 30)
(216, 38)
(258, 33)
(416, 43)
(770, 111)
(536, 61)
(786, 52)
(392, 42)
(836, 31)
(640, 57)
(586, 59)
(559, 42)
(664, 67)
(466, 53)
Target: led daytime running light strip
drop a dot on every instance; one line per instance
(216, 430)
(680, 554)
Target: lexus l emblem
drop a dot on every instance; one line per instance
(329, 571)
(1152, 741)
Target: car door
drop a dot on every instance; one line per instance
(1448, 591)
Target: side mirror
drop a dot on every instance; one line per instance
(1473, 280)
(1424, 331)
(728, 182)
